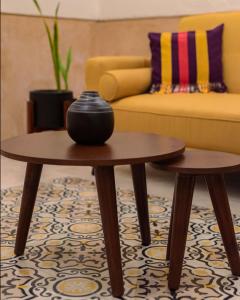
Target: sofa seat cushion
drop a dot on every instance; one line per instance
(205, 121)
(205, 106)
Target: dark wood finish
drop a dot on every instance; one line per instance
(107, 201)
(182, 209)
(212, 165)
(203, 162)
(30, 120)
(32, 178)
(30, 117)
(140, 189)
(66, 105)
(170, 225)
(217, 190)
(56, 147)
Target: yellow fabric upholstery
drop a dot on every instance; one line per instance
(122, 83)
(209, 121)
(231, 42)
(97, 66)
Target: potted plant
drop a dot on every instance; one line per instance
(48, 105)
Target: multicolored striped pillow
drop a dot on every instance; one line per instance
(187, 61)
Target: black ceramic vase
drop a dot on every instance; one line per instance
(90, 120)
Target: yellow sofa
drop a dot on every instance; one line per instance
(208, 121)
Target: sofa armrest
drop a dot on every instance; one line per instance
(118, 84)
(97, 66)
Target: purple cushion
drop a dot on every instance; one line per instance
(187, 61)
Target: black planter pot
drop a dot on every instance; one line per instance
(90, 119)
(48, 108)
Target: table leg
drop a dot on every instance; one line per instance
(170, 226)
(107, 200)
(182, 208)
(218, 193)
(32, 178)
(140, 189)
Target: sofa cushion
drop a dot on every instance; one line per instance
(231, 42)
(206, 121)
(187, 61)
(204, 106)
(97, 66)
(117, 84)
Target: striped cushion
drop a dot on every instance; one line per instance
(187, 61)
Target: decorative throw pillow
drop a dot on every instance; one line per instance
(187, 61)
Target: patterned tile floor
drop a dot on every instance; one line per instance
(65, 256)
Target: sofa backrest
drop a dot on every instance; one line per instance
(231, 42)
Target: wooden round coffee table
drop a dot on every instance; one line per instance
(56, 148)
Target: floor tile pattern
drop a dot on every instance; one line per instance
(65, 255)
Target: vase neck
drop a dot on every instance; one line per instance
(89, 94)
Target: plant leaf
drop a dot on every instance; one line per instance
(64, 75)
(37, 6)
(56, 53)
(65, 69)
(57, 9)
(51, 44)
(49, 35)
(69, 59)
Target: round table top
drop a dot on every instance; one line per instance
(203, 162)
(57, 148)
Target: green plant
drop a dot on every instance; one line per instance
(60, 69)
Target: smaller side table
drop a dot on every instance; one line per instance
(212, 166)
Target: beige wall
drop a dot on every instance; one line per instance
(26, 61)
(129, 37)
(26, 64)
(122, 9)
(78, 9)
(119, 9)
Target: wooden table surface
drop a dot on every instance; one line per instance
(57, 148)
(203, 162)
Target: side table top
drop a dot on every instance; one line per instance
(57, 148)
(203, 162)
